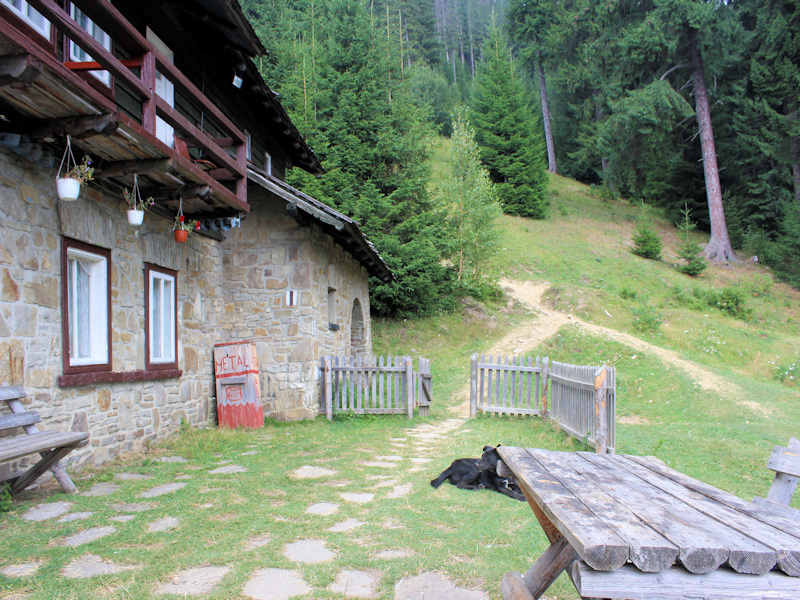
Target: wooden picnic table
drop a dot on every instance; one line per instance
(630, 527)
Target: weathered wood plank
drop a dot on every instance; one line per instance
(19, 420)
(25, 445)
(679, 584)
(649, 550)
(12, 392)
(785, 460)
(595, 541)
(785, 481)
(704, 543)
(513, 587)
(558, 557)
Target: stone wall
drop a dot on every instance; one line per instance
(121, 416)
(270, 256)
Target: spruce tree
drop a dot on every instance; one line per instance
(646, 242)
(689, 251)
(509, 132)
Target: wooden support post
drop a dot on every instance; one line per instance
(409, 387)
(24, 68)
(149, 82)
(545, 373)
(513, 587)
(327, 389)
(473, 386)
(128, 167)
(555, 560)
(600, 412)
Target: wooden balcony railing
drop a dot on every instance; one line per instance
(147, 59)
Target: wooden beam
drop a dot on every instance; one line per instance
(23, 68)
(129, 167)
(173, 193)
(94, 65)
(79, 127)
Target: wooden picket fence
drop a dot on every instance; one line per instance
(582, 399)
(376, 385)
(508, 388)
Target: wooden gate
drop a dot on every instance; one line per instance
(507, 388)
(375, 385)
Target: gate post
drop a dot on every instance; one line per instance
(600, 416)
(473, 386)
(327, 387)
(545, 374)
(409, 386)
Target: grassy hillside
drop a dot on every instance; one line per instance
(735, 321)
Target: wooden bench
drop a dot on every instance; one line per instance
(52, 446)
(786, 464)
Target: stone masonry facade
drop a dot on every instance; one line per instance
(227, 291)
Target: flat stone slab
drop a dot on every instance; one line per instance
(88, 535)
(309, 472)
(43, 512)
(347, 525)
(228, 470)
(276, 584)
(380, 464)
(386, 554)
(420, 461)
(391, 457)
(164, 524)
(356, 584)
(308, 551)
(122, 518)
(399, 491)
(102, 489)
(131, 476)
(92, 566)
(172, 459)
(194, 582)
(250, 453)
(21, 569)
(78, 516)
(160, 490)
(133, 507)
(258, 541)
(322, 508)
(433, 585)
(386, 483)
(223, 462)
(360, 498)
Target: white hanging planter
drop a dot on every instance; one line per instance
(68, 188)
(135, 217)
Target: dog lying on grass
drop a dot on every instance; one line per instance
(479, 473)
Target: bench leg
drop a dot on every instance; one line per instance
(48, 460)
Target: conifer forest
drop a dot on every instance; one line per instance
(689, 106)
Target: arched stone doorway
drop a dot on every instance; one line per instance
(358, 340)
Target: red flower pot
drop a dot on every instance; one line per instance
(181, 235)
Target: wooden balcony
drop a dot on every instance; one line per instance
(49, 97)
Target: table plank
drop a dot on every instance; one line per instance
(679, 584)
(705, 542)
(788, 561)
(597, 543)
(649, 550)
(770, 536)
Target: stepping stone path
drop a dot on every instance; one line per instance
(356, 584)
(164, 524)
(347, 525)
(359, 498)
(308, 551)
(88, 535)
(133, 507)
(43, 512)
(433, 585)
(122, 518)
(131, 476)
(20, 570)
(309, 472)
(393, 554)
(160, 490)
(322, 508)
(92, 566)
(194, 582)
(102, 489)
(258, 541)
(172, 459)
(399, 491)
(79, 516)
(228, 469)
(276, 584)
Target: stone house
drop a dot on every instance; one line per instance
(109, 326)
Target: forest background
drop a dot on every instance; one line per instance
(603, 92)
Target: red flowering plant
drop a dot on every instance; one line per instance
(186, 225)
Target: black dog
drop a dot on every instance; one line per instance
(479, 473)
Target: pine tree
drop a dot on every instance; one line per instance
(646, 242)
(689, 250)
(508, 132)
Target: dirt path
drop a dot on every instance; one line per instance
(547, 322)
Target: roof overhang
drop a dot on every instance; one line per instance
(344, 230)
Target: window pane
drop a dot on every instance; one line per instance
(168, 320)
(156, 319)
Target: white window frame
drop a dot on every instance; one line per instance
(30, 15)
(164, 88)
(94, 317)
(267, 163)
(164, 314)
(78, 54)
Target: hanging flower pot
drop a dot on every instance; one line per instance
(181, 235)
(182, 227)
(68, 188)
(136, 205)
(135, 217)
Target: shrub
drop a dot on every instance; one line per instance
(646, 242)
(647, 319)
(626, 293)
(728, 300)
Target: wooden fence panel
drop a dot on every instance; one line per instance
(505, 385)
(375, 385)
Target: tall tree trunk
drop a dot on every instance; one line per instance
(598, 116)
(719, 246)
(794, 148)
(471, 49)
(548, 130)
